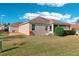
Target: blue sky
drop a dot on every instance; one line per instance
(21, 12)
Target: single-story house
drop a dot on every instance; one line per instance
(41, 26)
(76, 27)
(14, 27)
(1, 27)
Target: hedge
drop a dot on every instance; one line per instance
(59, 31)
(69, 32)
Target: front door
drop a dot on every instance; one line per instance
(50, 29)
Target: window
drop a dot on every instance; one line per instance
(33, 26)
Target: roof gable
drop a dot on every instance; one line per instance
(39, 20)
(15, 24)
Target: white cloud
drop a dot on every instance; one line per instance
(52, 15)
(48, 15)
(66, 16)
(72, 20)
(30, 15)
(52, 4)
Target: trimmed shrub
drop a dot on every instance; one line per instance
(69, 32)
(59, 31)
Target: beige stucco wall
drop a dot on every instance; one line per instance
(40, 29)
(25, 28)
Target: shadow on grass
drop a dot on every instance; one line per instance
(9, 49)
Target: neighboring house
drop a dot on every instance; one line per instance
(76, 27)
(41, 26)
(1, 27)
(14, 27)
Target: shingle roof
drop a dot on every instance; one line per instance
(39, 20)
(15, 24)
(75, 26)
(61, 23)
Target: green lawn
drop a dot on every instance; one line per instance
(41, 45)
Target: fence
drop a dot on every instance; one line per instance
(1, 45)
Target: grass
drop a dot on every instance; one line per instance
(41, 46)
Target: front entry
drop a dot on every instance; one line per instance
(50, 29)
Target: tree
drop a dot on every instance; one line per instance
(77, 21)
(6, 27)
